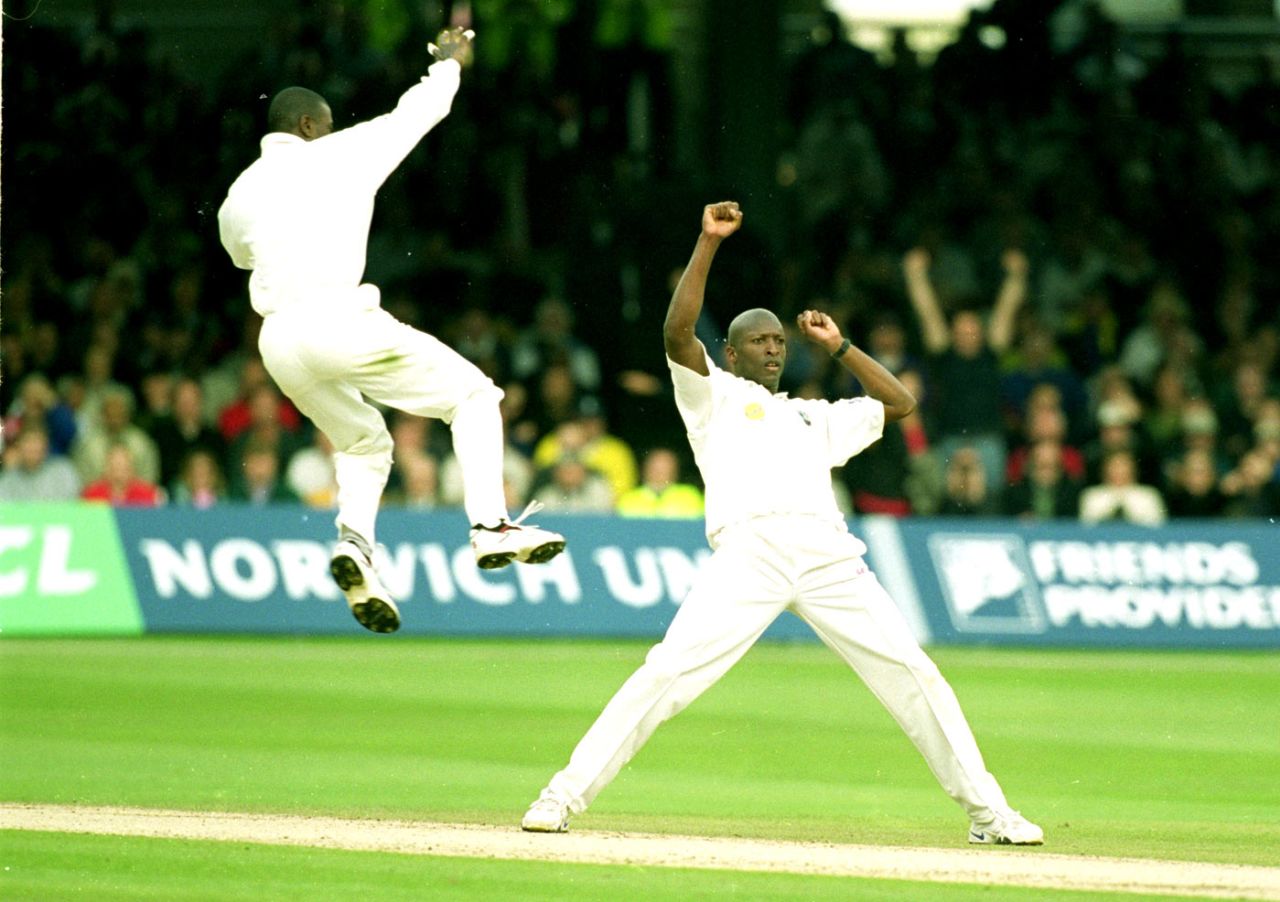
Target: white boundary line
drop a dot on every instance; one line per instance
(1007, 867)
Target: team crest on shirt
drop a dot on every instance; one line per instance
(754, 411)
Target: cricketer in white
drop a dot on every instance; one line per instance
(299, 217)
(779, 543)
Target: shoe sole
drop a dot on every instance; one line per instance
(495, 561)
(373, 614)
(538, 828)
(543, 553)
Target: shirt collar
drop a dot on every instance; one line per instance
(279, 139)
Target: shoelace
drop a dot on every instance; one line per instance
(529, 510)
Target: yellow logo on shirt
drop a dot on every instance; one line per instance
(754, 412)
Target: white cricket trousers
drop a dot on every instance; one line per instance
(325, 359)
(759, 570)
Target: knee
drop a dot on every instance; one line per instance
(376, 446)
(484, 398)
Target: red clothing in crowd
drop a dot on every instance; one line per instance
(138, 493)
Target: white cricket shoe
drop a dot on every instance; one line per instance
(1008, 828)
(512, 540)
(547, 815)
(370, 603)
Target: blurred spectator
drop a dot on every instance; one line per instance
(1239, 407)
(1251, 488)
(965, 491)
(30, 474)
(899, 474)
(1046, 424)
(238, 416)
(1193, 490)
(964, 374)
(569, 486)
(661, 493)
(200, 483)
(1165, 337)
(550, 340)
(115, 426)
(1037, 360)
(255, 477)
(119, 484)
(184, 430)
(1119, 496)
(266, 427)
(38, 404)
(555, 401)
(157, 400)
(310, 473)
(1163, 419)
(1045, 491)
(419, 484)
(586, 437)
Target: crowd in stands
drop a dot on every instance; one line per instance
(1065, 249)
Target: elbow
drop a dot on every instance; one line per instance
(901, 409)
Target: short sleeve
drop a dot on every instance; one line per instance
(694, 393)
(852, 425)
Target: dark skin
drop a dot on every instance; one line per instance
(757, 348)
(450, 44)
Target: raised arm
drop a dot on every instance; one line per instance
(1013, 294)
(878, 382)
(924, 300)
(719, 221)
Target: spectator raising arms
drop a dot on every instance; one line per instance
(964, 372)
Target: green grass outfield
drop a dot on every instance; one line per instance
(1143, 754)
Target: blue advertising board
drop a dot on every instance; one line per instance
(240, 569)
(1206, 584)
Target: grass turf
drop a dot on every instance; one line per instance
(1151, 754)
(43, 866)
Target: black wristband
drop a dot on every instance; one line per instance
(844, 346)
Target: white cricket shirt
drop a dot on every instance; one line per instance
(763, 454)
(299, 215)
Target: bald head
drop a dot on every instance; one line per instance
(301, 112)
(748, 321)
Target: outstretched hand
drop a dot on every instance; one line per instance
(454, 44)
(721, 220)
(820, 329)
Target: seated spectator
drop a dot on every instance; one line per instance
(115, 426)
(38, 404)
(256, 478)
(1163, 419)
(1120, 496)
(899, 474)
(119, 483)
(1118, 430)
(1193, 489)
(1046, 424)
(661, 493)
(965, 491)
(586, 436)
(1037, 360)
(419, 484)
(157, 399)
(1165, 337)
(30, 474)
(1045, 491)
(569, 486)
(200, 483)
(554, 402)
(1251, 488)
(266, 427)
(1199, 432)
(550, 340)
(184, 430)
(310, 473)
(238, 416)
(1239, 407)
